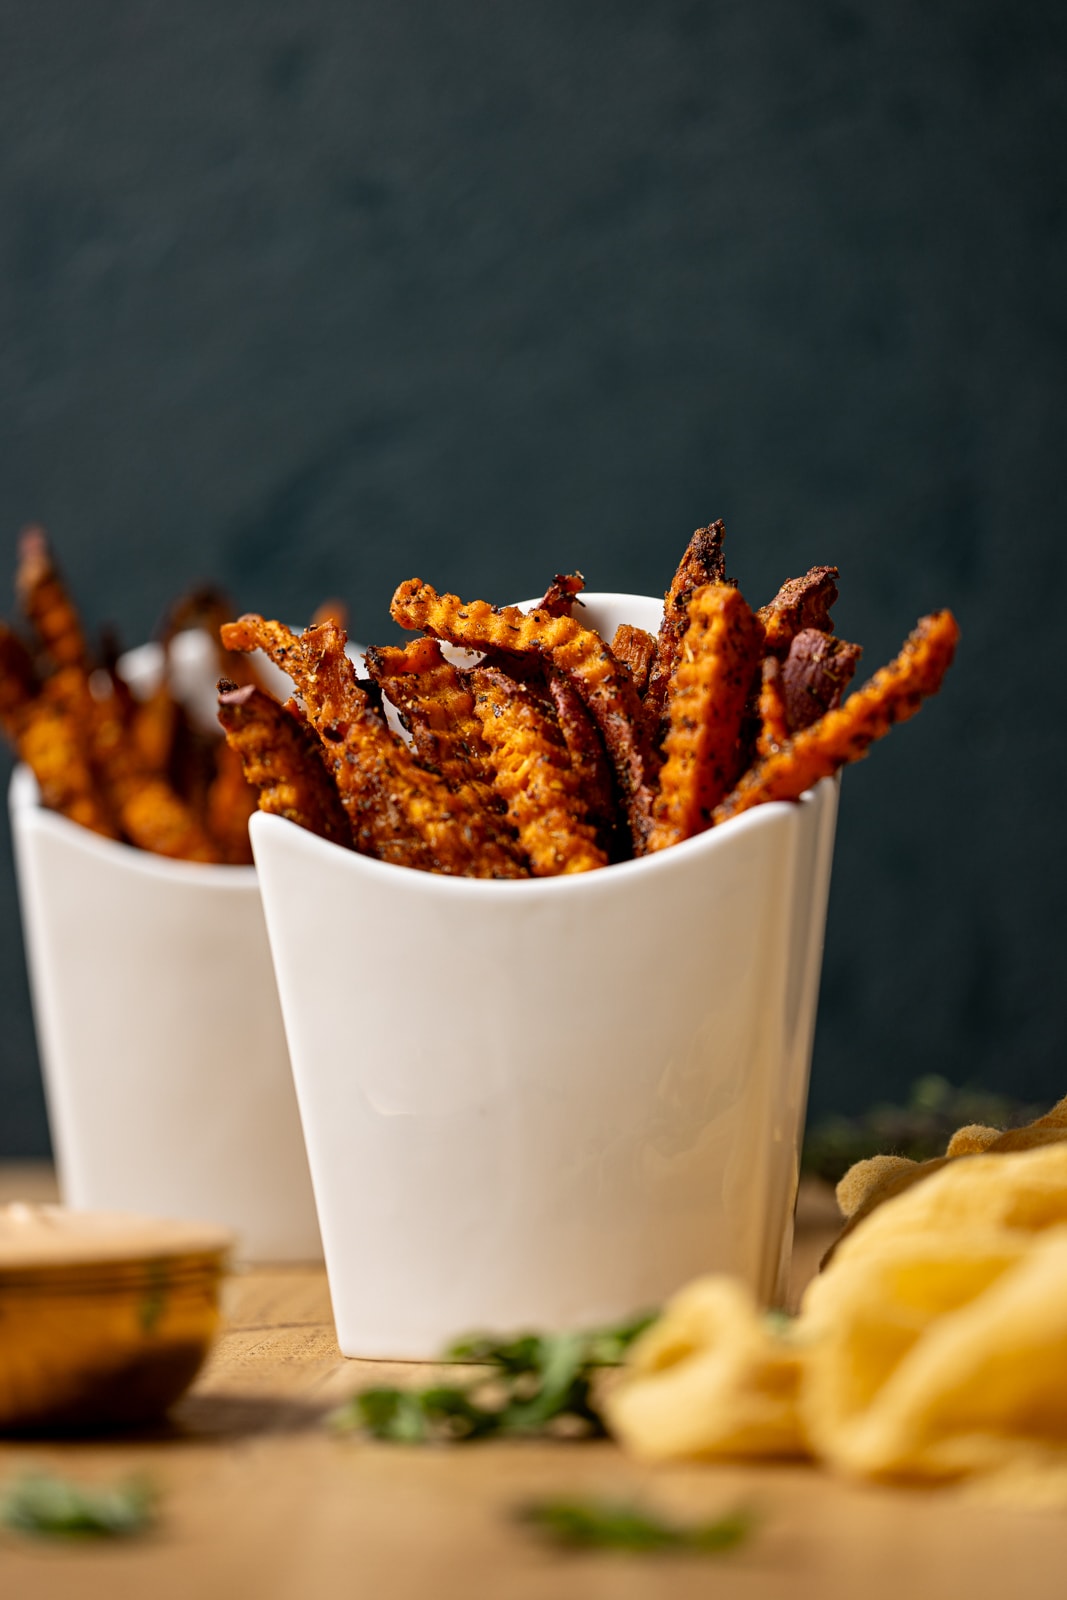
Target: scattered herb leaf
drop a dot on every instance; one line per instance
(608, 1525)
(537, 1383)
(51, 1507)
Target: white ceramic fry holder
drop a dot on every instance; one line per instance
(549, 1103)
(165, 1066)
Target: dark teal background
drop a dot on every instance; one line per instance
(312, 298)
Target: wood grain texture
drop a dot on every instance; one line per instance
(260, 1500)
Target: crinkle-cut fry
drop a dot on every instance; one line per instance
(576, 651)
(800, 603)
(48, 742)
(398, 811)
(589, 759)
(562, 593)
(773, 717)
(893, 695)
(436, 706)
(231, 801)
(46, 604)
(710, 687)
(19, 686)
(703, 562)
(815, 674)
(535, 777)
(636, 650)
(282, 761)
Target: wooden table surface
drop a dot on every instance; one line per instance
(259, 1500)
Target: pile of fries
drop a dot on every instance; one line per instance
(557, 751)
(140, 771)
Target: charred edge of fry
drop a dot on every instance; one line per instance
(709, 690)
(19, 685)
(800, 603)
(773, 721)
(815, 674)
(894, 694)
(589, 760)
(702, 562)
(562, 593)
(576, 651)
(282, 761)
(535, 776)
(46, 604)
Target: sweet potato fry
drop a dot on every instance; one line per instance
(231, 800)
(589, 759)
(577, 652)
(773, 716)
(815, 674)
(46, 604)
(709, 689)
(562, 593)
(436, 706)
(893, 695)
(282, 760)
(535, 777)
(801, 603)
(18, 682)
(636, 650)
(398, 811)
(703, 562)
(48, 742)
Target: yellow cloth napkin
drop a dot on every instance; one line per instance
(932, 1348)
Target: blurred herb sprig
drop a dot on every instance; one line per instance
(919, 1129)
(581, 1524)
(536, 1383)
(46, 1506)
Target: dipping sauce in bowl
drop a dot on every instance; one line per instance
(105, 1318)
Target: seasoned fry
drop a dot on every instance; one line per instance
(398, 811)
(893, 695)
(155, 818)
(773, 717)
(576, 651)
(436, 706)
(18, 682)
(282, 759)
(49, 744)
(801, 603)
(703, 562)
(815, 674)
(709, 689)
(535, 777)
(332, 610)
(636, 650)
(589, 759)
(562, 593)
(46, 603)
(231, 800)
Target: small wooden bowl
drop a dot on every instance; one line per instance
(105, 1319)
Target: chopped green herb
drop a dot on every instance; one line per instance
(607, 1525)
(537, 1383)
(52, 1507)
